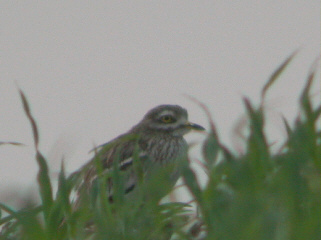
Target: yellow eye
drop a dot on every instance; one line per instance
(167, 119)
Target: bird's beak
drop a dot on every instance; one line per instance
(194, 126)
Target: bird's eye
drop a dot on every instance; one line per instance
(167, 119)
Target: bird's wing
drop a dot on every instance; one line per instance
(124, 150)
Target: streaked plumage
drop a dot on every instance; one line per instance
(157, 140)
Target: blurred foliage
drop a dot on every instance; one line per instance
(258, 194)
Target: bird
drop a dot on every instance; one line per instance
(156, 141)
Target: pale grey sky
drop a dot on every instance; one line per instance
(91, 70)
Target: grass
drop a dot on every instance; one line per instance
(258, 194)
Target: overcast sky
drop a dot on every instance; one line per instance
(92, 69)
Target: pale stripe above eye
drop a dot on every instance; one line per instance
(166, 112)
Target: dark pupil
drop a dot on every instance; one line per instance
(167, 119)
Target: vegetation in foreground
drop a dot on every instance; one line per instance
(258, 194)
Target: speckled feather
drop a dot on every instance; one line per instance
(153, 141)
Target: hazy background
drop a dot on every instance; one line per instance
(91, 69)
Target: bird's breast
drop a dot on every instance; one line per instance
(166, 150)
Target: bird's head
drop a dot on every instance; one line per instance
(171, 119)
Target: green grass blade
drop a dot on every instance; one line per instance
(192, 183)
(287, 127)
(257, 141)
(276, 74)
(12, 143)
(211, 149)
(43, 174)
(31, 119)
(15, 214)
(7, 209)
(44, 183)
(64, 191)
